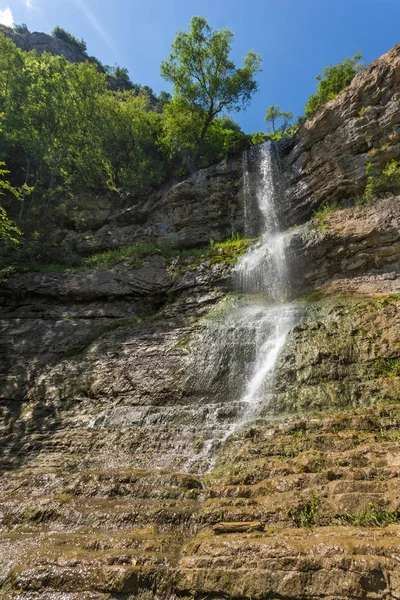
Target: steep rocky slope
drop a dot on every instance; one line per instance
(362, 125)
(118, 386)
(42, 42)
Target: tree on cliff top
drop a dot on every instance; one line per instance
(204, 76)
(278, 121)
(332, 81)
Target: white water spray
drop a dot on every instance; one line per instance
(264, 271)
(241, 350)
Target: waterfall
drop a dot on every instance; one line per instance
(264, 268)
(241, 347)
(262, 274)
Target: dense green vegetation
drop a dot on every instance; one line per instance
(332, 81)
(66, 132)
(9, 232)
(383, 181)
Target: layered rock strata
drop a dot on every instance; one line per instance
(118, 388)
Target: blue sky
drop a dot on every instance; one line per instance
(296, 38)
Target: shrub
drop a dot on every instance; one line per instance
(61, 34)
(384, 183)
(332, 81)
(306, 515)
(374, 517)
(121, 74)
(320, 216)
(22, 28)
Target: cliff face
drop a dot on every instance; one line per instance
(118, 387)
(42, 42)
(362, 125)
(208, 205)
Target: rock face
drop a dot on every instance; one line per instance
(208, 205)
(42, 42)
(334, 146)
(119, 387)
(354, 250)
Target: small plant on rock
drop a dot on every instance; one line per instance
(380, 185)
(320, 216)
(373, 517)
(306, 515)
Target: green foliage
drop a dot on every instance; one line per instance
(319, 217)
(130, 132)
(65, 132)
(205, 79)
(121, 74)
(374, 517)
(256, 138)
(384, 183)
(279, 122)
(306, 515)
(386, 367)
(332, 81)
(10, 234)
(229, 251)
(22, 28)
(132, 255)
(36, 255)
(182, 136)
(61, 34)
(164, 98)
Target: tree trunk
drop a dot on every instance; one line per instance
(21, 212)
(207, 123)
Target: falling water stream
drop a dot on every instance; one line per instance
(247, 343)
(264, 271)
(262, 274)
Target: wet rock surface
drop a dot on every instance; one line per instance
(355, 250)
(118, 389)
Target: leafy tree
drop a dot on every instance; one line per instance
(164, 98)
(131, 154)
(10, 234)
(279, 121)
(181, 126)
(204, 76)
(121, 74)
(332, 81)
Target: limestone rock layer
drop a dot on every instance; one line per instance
(119, 387)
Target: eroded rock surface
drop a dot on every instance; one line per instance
(119, 388)
(208, 205)
(361, 125)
